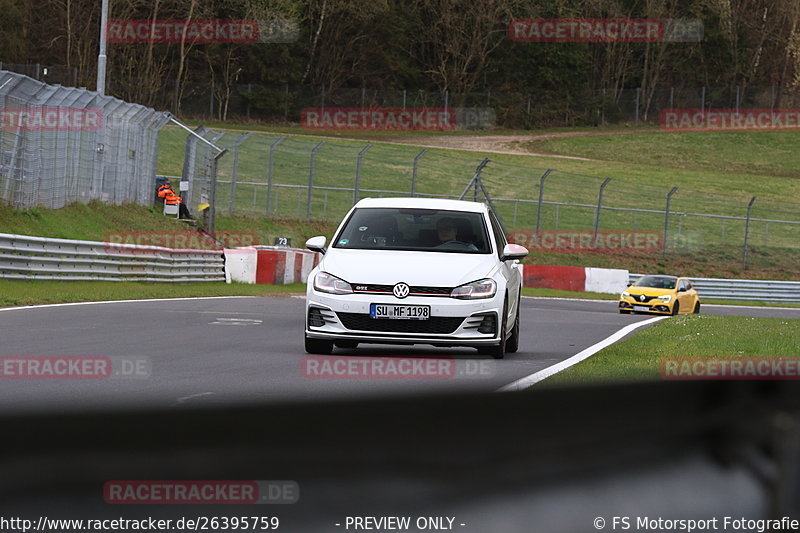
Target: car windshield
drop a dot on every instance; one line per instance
(427, 230)
(656, 282)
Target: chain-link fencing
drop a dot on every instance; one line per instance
(295, 177)
(62, 145)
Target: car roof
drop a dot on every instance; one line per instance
(424, 203)
(661, 276)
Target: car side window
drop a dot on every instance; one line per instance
(682, 285)
(499, 237)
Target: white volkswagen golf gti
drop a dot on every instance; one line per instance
(415, 271)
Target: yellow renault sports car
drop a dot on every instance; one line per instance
(663, 295)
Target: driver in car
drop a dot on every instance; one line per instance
(448, 235)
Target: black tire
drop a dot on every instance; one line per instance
(498, 351)
(346, 344)
(696, 308)
(676, 308)
(512, 344)
(319, 346)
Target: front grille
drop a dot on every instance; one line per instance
(415, 290)
(636, 298)
(435, 324)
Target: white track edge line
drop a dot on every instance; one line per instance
(42, 306)
(536, 377)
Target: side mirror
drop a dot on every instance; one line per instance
(682, 289)
(513, 251)
(317, 244)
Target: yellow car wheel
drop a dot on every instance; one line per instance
(676, 308)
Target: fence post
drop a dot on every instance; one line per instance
(747, 231)
(212, 196)
(666, 221)
(358, 172)
(235, 170)
(269, 171)
(414, 173)
(638, 92)
(475, 179)
(541, 197)
(599, 205)
(311, 178)
(188, 162)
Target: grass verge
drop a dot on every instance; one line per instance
(639, 357)
(24, 292)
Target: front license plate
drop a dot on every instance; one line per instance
(641, 308)
(407, 312)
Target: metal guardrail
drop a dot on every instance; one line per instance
(24, 257)
(743, 289)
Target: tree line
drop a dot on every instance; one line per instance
(458, 46)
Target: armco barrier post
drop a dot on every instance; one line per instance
(358, 172)
(666, 220)
(747, 231)
(311, 178)
(269, 171)
(541, 197)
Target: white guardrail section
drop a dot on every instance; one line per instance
(24, 257)
(743, 289)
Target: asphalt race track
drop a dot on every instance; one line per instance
(245, 349)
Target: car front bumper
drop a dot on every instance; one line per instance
(452, 322)
(655, 306)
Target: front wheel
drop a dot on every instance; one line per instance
(512, 344)
(319, 346)
(676, 308)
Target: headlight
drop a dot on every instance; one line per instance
(666, 298)
(483, 288)
(625, 294)
(324, 282)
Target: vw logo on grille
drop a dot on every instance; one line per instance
(400, 290)
(641, 298)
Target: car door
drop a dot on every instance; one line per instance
(683, 296)
(509, 269)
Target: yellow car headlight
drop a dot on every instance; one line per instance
(625, 294)
(666, 298)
